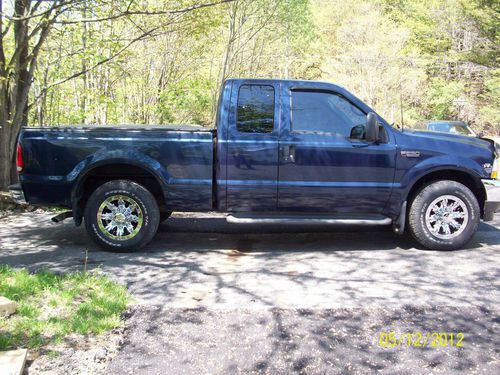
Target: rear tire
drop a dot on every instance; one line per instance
(121, 216)
(444, 215)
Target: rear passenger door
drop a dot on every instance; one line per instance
(252, 147)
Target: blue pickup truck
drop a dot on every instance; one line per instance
(283, 151)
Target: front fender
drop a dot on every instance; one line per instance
(441, 163)
(412, 174)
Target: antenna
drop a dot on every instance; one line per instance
(401, 106)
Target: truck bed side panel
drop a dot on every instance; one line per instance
(57, 160)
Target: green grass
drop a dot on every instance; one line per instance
(51, 306)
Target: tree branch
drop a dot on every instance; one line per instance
(46, 21)
(41, 14)
(2, 33)
(143, 36)
(129, 12)
(32, 65)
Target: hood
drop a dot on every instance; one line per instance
(484, 143)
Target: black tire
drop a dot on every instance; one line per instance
(145, 212)
(440, 239)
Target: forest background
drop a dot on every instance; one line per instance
(163, 61)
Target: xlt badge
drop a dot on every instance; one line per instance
(410, 154)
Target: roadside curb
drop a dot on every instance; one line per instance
(7, 307)
(12, 362)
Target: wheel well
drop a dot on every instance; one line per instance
(473, 183)
(100, 175)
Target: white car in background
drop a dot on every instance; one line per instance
(453, 127)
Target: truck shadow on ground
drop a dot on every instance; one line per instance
(340, 237)
(205, 261)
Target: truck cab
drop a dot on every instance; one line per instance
(292, 146)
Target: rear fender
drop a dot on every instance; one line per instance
(83, 169)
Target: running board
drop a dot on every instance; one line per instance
(62, 216)
(308, 220)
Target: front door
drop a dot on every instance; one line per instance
(252, 148)
(321, 168)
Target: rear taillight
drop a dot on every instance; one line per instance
(19, 159)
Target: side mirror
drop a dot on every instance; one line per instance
(371, 128)
(358, 132)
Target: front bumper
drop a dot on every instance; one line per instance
(492, 203)
(16, 192)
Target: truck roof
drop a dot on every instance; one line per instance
(298, 82)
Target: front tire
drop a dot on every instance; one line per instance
(444, 215)
(121, 216)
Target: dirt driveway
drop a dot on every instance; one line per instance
(206, 290)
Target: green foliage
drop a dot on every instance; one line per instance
(485, 16)
(296, 18)
(426, 52)
(51, 306)
(490, 111)
(185, 101)
(426, 21)
(440, 97)
(457, 44)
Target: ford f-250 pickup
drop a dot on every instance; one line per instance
(283, 151)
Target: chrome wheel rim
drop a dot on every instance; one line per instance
(119, 217)
(447, 217)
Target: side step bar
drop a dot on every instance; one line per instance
(308, 220)
(62, 216)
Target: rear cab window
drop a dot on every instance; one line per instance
(255, 110)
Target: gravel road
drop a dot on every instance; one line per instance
(218, 298)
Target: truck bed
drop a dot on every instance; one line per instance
(58, 159)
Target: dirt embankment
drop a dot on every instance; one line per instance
(8, 206)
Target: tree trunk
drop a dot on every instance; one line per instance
(14, 108)
(8, 134)
(5, 151)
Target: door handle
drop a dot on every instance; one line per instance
(292, 154)
(288, 153)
